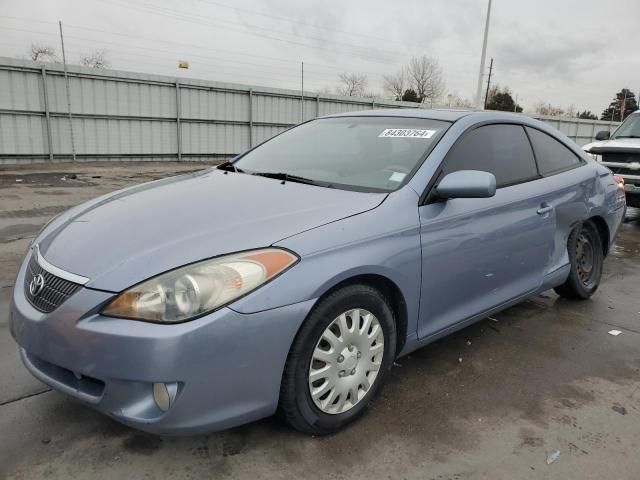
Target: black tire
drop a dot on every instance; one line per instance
(586, 257)
(296, 405)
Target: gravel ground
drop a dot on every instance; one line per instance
(492, 401)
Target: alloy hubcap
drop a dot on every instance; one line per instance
(346, 361)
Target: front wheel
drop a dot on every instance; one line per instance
(586, 256)
(338, 360)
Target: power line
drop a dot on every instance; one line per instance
(334, 68)
(217, 19)
(196, 20)
(331, 77)
(209, 71)
(101, 43)
(156, 40)
(298, 22)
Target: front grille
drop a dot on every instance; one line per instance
(54, 292)
(621, 158)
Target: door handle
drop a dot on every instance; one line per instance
(544, 208)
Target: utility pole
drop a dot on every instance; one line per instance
(483, 57)
(486, 95)
(66, 81)
(623, 106)
(302, 93)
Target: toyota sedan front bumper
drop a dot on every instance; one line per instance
(221, 370)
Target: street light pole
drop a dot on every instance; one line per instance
(302, 93)
(483, 58)
(486, 95)
(66, 81)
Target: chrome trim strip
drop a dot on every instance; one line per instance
(629, 165)
(58, 272)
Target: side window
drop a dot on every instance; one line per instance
(552, 155)
(503, 150)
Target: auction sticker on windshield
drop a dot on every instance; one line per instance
(407, 133)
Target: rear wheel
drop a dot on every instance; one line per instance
(338, 360)
(586, 257)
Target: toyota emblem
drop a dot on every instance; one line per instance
(36, 285)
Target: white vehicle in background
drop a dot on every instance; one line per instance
(620, 152)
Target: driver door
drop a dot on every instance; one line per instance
(480, 253)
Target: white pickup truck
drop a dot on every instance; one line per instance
(620, 152)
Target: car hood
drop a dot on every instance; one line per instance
(619, 144)
(128, 236)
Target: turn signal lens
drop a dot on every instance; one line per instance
(199, 288)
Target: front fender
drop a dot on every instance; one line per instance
(384, 241)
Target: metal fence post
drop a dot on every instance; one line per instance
(178, 115)
(373, 104)
(250, 117)
(317, 105)
(47, 116)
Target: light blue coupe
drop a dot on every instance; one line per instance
(291, 278)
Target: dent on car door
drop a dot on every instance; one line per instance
(565, 188)
(479, 253)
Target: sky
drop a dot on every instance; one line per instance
(564, 52)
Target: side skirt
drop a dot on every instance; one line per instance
(553, 279)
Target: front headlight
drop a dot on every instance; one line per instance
(191, 291)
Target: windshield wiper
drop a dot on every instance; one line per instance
(229, 167)
(287, 177)
(626, 136)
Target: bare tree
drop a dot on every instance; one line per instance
(96, 59)
(493, 91)
(396, 84)
(455, 100)
(325, 91)
(542, 108)
(44, 53)
(425, 77)
(352, 84)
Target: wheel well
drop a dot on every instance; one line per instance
(391, 291)
(603, 231)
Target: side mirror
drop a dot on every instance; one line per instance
(467, 184)
(603, 135)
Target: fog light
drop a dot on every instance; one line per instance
(164, 394)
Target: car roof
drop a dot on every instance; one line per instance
(448, 115)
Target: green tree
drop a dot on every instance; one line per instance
(587, 115)
(501, 99)
(621, 106)
(410, 95)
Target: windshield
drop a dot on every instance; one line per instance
(630, 128)
(356, 153)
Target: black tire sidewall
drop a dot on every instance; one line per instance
(355, 296)
(581, 289)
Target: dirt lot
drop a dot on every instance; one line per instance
(491, 401)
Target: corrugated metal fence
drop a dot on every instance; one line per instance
(130, 116)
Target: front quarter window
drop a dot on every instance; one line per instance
(374, 154)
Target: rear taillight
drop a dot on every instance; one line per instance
(619, 180)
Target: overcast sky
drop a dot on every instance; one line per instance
(563, 52)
